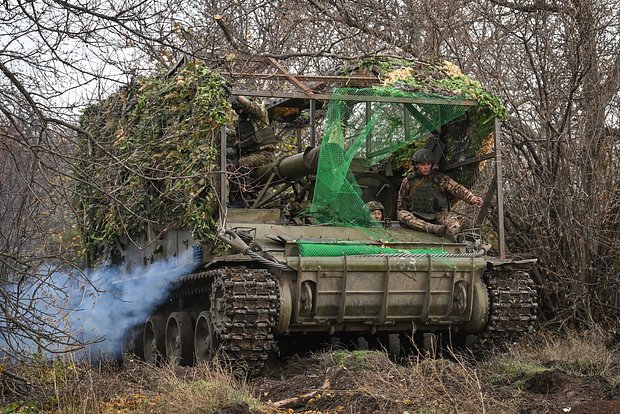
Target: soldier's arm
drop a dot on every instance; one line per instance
(404, 187)
(457, 190)
(257, 111)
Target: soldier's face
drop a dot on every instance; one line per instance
(424, 168)
(377, 214)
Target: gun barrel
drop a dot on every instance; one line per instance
(290, 168)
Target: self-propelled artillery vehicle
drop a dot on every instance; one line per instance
(289, 253)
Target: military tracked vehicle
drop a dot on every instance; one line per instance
(295, 257)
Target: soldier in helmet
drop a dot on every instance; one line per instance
(376, 210)
(255, 135)
(423, 198)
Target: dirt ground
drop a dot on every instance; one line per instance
(548, 373)
(310, 385)
(557, 392)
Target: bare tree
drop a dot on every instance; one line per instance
(55, 57)
(556, 64)
(31, 254)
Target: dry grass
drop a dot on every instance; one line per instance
(67, 387)
(542, 370)
(202, 389)
(583, 353)
(328, 383)
(369, 382)
(424, 386)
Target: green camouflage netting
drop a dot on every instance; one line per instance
(327, 249)
(369, 129)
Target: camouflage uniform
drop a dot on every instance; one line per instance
(254, 133)
(257, 159)
(423, 202)
(249, 145)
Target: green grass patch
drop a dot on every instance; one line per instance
(354, 359)
(21, 408)
(517, 372)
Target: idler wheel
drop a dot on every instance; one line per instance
(180, 339)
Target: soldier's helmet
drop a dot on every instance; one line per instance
(374, 205)
(422, 155)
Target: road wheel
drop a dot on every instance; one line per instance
(180, 339)
(154, 340)
(205, 339)
(394, 346)
(134, 343)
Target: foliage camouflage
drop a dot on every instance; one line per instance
(438, 78)
(148, 155)
(442, 79)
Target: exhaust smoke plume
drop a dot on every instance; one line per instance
(117, 302)
(54, 312)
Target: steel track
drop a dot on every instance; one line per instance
(513, 305)
(244, 305)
